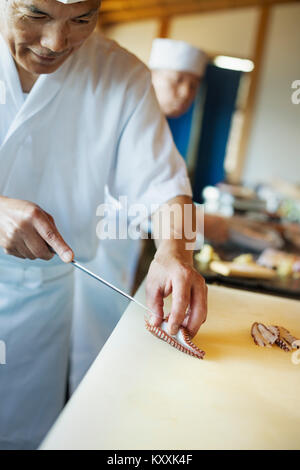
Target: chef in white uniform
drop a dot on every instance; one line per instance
(79, 115)
(177, 69)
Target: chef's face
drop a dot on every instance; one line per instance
(175, 91)
(42, 34)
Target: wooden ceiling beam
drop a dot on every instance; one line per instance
(113, 5)
(120, 11)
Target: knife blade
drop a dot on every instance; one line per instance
(111, 286)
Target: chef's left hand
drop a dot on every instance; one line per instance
(173, 272)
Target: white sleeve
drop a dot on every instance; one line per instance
(149, 170)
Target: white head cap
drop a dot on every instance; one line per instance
(168, 54)
(68, 2)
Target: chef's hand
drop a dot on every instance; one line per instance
(26, 231)
(173, 272)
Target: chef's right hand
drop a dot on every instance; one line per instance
(26, 231)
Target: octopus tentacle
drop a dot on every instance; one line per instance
(182, 341)
(267, 335)
(286, 340)
(257, 336)
(264, 335)
(269, 332)
(296, 357)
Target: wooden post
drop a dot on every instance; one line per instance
(164, 28)
(258, 56)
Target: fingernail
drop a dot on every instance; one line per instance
(67, 256)
(174, 329)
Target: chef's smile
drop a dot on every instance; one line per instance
(48, 58)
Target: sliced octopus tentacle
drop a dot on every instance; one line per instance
(286, 340)
(182, 341)
(296, 357)
(267, 335)
(270, 333)
(257, 336)
(264, 335)
(296, 344)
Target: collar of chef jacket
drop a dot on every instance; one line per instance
(17, 109)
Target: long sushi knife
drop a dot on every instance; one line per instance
(111, 286)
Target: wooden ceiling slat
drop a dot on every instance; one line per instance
(118, 11)
(113, 5)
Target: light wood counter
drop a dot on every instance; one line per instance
(143, 394)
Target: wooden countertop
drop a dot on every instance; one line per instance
(143, 394)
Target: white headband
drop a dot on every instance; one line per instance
(168, 54)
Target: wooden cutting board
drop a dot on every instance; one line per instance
(142, 394)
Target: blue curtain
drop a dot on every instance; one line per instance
(221, 93)
(181, 130)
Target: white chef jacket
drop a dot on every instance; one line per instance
(116, 261)
(94, 122)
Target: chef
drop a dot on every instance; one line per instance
(177, 71)
(80, 116)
